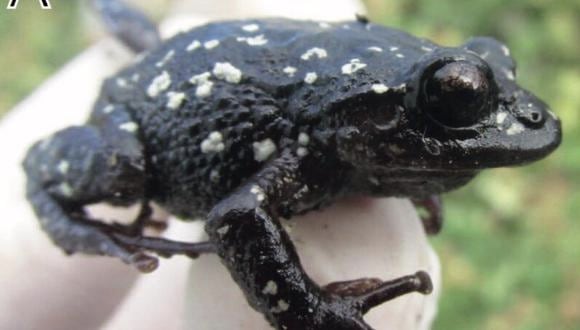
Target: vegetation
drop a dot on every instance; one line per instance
(510, 248)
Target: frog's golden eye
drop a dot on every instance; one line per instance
(457, 94)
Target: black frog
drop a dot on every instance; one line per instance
(243, 122)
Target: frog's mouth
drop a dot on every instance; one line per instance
(418, 183)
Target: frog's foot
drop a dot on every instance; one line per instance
(433, 213)
(74, 232)
(79, 166)
(371, 292)
(128, 24)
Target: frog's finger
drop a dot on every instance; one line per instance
(418, 282)
(128, 24)
(371, 292)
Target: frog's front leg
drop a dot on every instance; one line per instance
(262, 260)
(433, 213)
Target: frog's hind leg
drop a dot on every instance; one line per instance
(79, 166)
(432, 216)
(68, 170)
(128, 24)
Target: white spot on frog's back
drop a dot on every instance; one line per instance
(379, 88)
(353, 66)
(193, 46)
(505, 50)
(258, 192)
(65, 189)
(310, 77)
(290, 71)
(204, 85)
(400, 88)
(303, 139)
(395, 149)
(108, 109)
(159, 84)
(222, 231)
(324, 25)
(263, 149)
(63, 167)
(175, 99)
(515, 128)
(122, 82)
(281, 307)
(314, 52)
(271, 288)
(129, 126)
(165, 59)
(500, 117)
(226, 71)
(200, 78)
(204, 90)
(213, 143)
(251, 27)
(258, 40)
(214, 175)
(375, 49)
(211, 44)
(509, 74)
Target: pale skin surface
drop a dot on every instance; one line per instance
(43, 289)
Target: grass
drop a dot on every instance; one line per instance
(510, 248)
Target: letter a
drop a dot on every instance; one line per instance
(13, 4)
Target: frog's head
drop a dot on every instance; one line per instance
(460, 111)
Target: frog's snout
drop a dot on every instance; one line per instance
(535, 115)
(529, 126)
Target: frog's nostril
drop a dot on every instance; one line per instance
(532, 118)
(535, 116)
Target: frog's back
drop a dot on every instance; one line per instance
(213, 104)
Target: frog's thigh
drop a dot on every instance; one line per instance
(352, 239)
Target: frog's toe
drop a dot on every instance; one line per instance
(83, 235)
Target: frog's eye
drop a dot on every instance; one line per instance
(457, 94)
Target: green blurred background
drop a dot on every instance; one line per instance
(511, 244)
